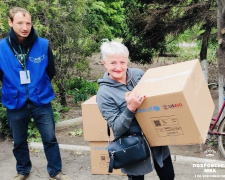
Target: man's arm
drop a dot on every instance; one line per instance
(1, 74)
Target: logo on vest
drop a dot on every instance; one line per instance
(37, 60)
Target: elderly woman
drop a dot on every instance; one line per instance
(118, 105)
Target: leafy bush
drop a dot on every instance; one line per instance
(57, 109)
(76, 132)
(193, 37)
(33, 133)
(79, 96)
(81, 89)
(4, 128)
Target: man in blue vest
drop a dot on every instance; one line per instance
(26, 70)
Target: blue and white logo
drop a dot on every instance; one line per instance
(150, 109)
(37, 60)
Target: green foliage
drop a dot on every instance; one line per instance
(190, 36)
(3, 20)
(57, 109)
(76, 132)
(211, 56)
(188, 53)
(105, 19)
(83, 68)
(80, 96)
(152, 26)
(81, 89)
(4, 128)
(33, 133)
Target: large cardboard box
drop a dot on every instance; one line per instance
(100, 159)
(95, 131)
(94, 125)
(178, 105)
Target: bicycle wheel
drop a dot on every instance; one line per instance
(221, 138)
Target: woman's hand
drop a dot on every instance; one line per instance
(134, 100)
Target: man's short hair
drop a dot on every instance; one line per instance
(14, 10)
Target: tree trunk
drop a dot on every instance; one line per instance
(203, 53)
(62, 94)
(205, 39)
(60, 76)
(221, 49)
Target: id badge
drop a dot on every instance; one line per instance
(25, 77)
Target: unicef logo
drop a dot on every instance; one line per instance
(149, 109)
(156, 108)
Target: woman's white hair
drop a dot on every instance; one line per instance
(113, 48)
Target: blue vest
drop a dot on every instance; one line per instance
(39, 91)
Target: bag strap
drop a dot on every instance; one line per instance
(134, 83)
(108, 132)
(111, 158)
(111, 162)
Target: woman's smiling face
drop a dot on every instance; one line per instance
(117, 67)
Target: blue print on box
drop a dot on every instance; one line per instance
(151, 108)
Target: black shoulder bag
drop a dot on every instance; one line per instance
(126, 150)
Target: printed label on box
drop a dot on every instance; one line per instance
(104, 161)
(169, 131)
(167, 126)
(164, 121)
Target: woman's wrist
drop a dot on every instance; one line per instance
(132, 109)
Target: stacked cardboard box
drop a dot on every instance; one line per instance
(95, 131)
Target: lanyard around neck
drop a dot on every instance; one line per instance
(24, 60)
(22, 54)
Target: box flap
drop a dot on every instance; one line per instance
(165, 79)
(92, 100)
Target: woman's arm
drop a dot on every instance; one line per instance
(118, 118)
